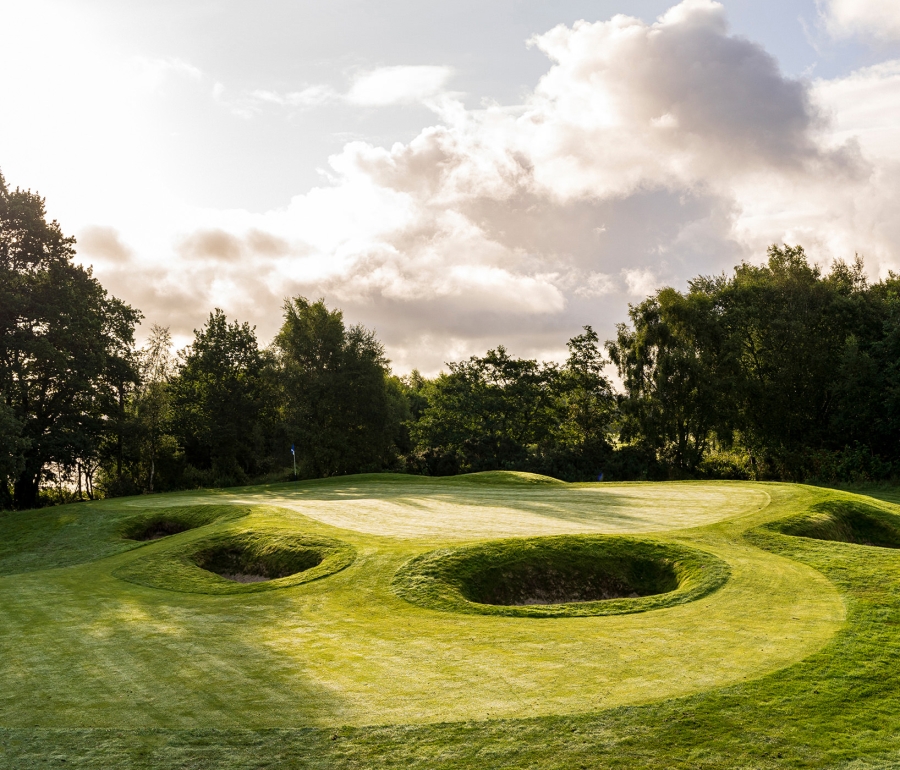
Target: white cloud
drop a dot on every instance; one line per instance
(398, 85)
(594, 285)
(876, 18)
(383, 87)
(105, 243)
(865, 106)
(311, 96)
(152, 73)
(646, 153)
(641, 281)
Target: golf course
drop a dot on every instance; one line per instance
(490, 620)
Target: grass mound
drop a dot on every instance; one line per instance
(240, 562)
(154, 525)
(562, 576)
(845, 521)
(493, 478)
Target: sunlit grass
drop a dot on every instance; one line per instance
(799, 641)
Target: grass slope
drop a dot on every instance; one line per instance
(793, 662)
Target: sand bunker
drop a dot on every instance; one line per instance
(243, 563)
(569, 575)
(541, 581)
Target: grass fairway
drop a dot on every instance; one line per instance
(123, 653)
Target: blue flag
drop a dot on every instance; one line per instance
(292, 450)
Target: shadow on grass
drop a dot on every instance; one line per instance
(838, 708)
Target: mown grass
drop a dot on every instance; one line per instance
(196, 566)
(844, 521)
(498, 577)
(794, 662)
(162, 522)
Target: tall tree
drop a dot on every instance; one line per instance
(12, 451)
(590, 399)
(340, 407)
(787, 363)
(218, 397)
(789, 326)
(578, 447)
(153, 399)
(670, 399)
(62, 338)
(488, 413)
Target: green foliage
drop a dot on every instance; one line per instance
(64, 344)
(725, 464)
(488, 411)
(500, 412)
(794, 369)
(12, 451)
(139, 453)
(219, 395)
(668, 368)
(341, 409)
(564, 576)
(788, 327)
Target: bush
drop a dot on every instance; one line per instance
(853, 464)
(725, 465)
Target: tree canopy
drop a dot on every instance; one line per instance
(794, 368)
(778, 370)
(220, 394)
(334, 390)
(63, 343)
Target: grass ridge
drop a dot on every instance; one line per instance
(441, 579)
(175, 569)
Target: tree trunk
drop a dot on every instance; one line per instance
(25, 489)
(119, 429)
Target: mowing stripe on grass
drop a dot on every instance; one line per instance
(84, 649)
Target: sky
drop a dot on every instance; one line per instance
(454, 175)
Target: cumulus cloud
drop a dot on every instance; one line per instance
(311, 96)
(646, 154)
(381, 87)
(875, 18)
(104, 243)
(211, 244)
(595, 285)
(398, 85)
(152, 73)
(865, 107)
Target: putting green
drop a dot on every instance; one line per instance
(82, 648)
(411, 507)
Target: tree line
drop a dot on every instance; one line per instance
(776, 371)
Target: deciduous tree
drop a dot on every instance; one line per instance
(218, 398)
(63, 342)
(339, 406)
